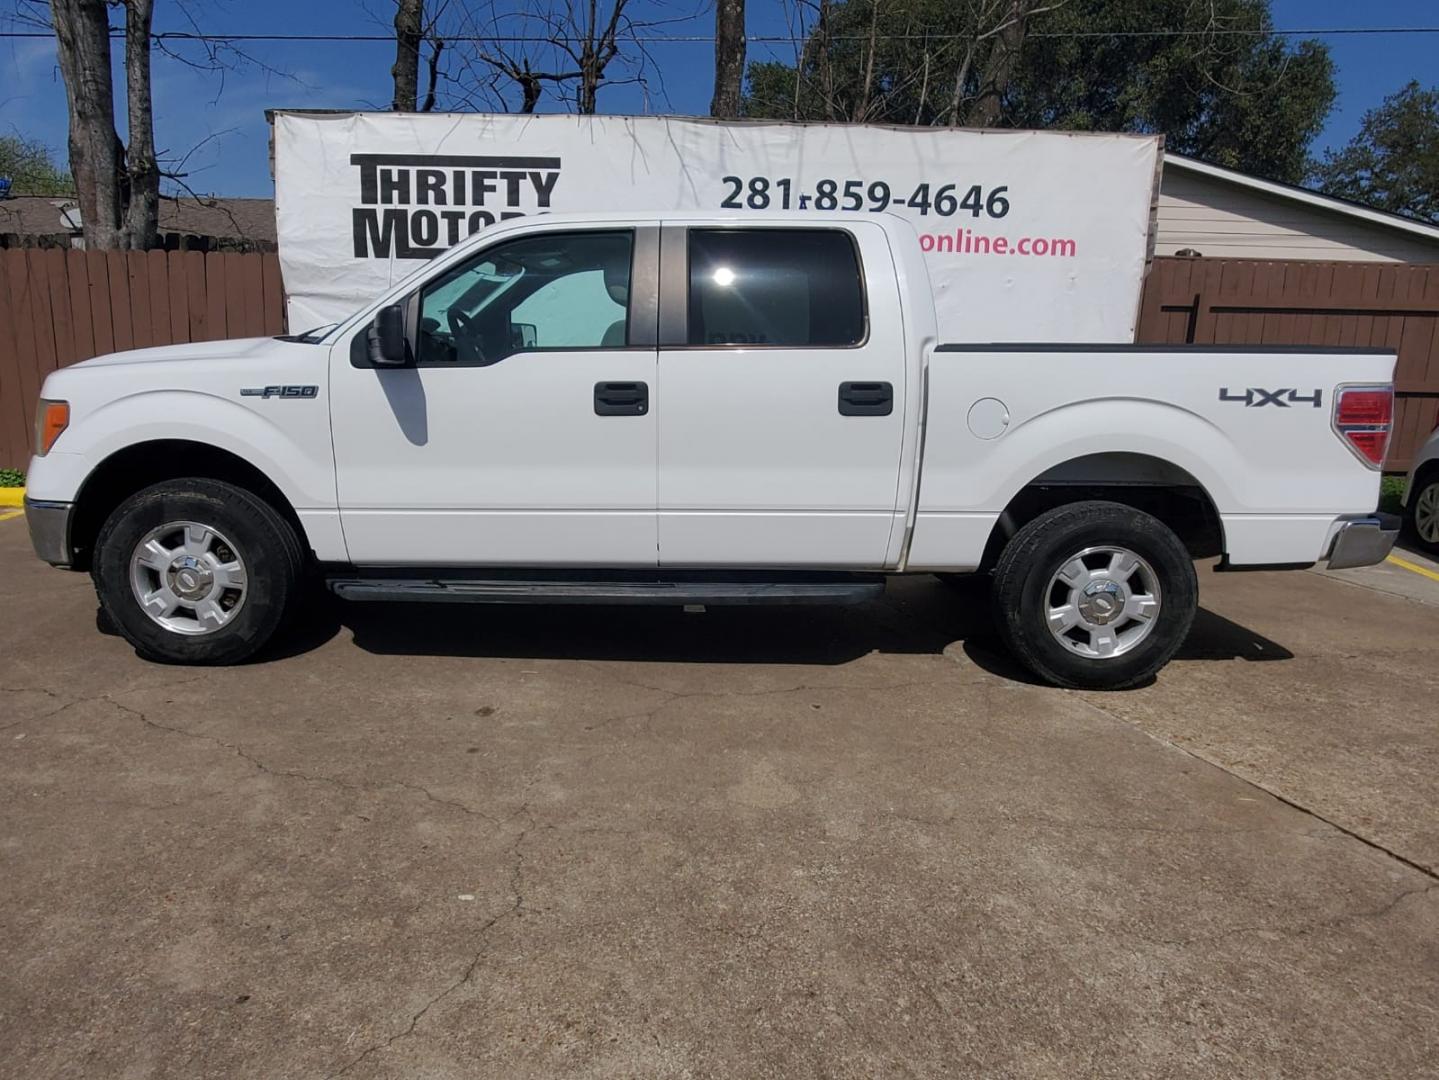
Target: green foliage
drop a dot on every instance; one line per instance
(11, 478)
(916, 57)
(1247, 101)
(1393, 163)
(1391, 494)
(31, 169)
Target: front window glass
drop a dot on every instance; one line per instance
(551, 291)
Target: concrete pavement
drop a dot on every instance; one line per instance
(441, 842)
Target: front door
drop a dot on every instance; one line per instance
(521, 433)
(782, 390)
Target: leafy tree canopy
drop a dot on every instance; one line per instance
(1393, 163)
(1249, 101)
(31, 169)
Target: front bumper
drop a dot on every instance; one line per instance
(49, 524)
(1364, 541)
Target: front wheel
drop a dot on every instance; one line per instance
(197, 571)
(1094, 595)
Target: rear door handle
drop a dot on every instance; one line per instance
(866, 399)
(622, 398)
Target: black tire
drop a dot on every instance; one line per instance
(266, 543)
(1423, 483)
(1023, 581)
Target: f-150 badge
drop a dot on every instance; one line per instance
(280, 391)
(1255, 397)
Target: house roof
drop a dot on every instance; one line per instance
(242, 219)
(1315, 199)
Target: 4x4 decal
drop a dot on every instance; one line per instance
(1255, 397)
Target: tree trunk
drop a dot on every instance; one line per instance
(861, 108)
(437, 46)
(142, 216)
(1003, 56)
(409, 19)
(82, 34)
(530, 88)
(729, 58)
(956, 106)
(823, 63)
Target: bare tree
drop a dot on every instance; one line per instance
(729, 58)
(861, 106)
(118, 187)
(82, 34)
(569, 48)
(437, 45)
(142, 214)
(1002, 23)
(409, 23)
(1002, 58)
(591, 46)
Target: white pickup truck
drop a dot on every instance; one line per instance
(688, 409)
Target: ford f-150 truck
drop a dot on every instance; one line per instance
(697, 409)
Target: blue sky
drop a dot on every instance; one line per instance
(225, 118)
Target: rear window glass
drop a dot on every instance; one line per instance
(798, 287)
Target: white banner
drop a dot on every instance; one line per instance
(1029, 236)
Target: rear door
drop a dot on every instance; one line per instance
(781, 396)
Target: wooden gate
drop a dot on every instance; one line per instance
(1257, 302)
(61, 306)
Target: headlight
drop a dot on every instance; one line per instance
(51, 418)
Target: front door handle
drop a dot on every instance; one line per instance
(622, 398)
(866, 399)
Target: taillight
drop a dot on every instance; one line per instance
(1362, 417)
(51, 418)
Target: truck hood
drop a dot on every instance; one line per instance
(237, 349)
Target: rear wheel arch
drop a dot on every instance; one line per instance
(141, 465)
(1165, 491)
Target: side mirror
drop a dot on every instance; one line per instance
(388, 347)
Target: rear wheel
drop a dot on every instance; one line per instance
(1422, 511)
(197, 572)
(1095, 595)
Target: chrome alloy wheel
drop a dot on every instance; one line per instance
(188, 577)
(1426, 513)
(1102, 602)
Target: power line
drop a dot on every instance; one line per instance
(756, 39)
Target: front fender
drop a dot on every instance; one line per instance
(291, 448)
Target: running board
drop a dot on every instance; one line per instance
(754, 589)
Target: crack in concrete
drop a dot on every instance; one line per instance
(1102, 826)
(37, 690)
(1371, 587)
(1299, 930)
(293, 774)
(515, 909)
(1428, 871)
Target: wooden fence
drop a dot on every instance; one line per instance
(1255, 302)
(61, 306)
